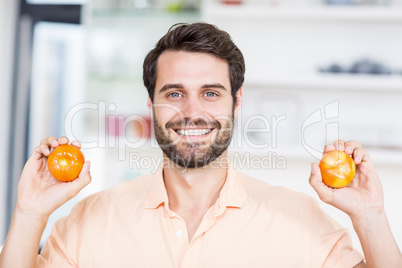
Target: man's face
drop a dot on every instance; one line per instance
(193, 108)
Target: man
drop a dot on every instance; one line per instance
(196, 211)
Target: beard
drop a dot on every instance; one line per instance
(185, 153)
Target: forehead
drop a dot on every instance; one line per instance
(174, 66)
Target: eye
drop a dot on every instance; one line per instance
(174, 95)
(210, 94)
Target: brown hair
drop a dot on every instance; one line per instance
(201, 38)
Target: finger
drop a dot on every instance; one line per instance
(84, 178)
(50, 142)
(36, 154)
(350, 146)
(44, 150)
(360, 155)
(329, 148)
(39, 151)
(85, 174)
(44, 147)
(324, 192)
(349, 149)
(63, 140)
(76, 144)
(339, 145)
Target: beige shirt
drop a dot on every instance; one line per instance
(252, 224)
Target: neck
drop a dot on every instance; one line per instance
(195, 188)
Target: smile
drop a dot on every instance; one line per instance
(193, 132)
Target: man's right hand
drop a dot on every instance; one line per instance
(39, 193)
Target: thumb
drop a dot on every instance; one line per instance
(324, 192)
(85, 175)
(84, 178)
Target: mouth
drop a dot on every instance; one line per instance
(193, 132)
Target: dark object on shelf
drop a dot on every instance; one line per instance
(357, 2)
(364, 66)
(369, 67)
(232, 2)
(333, 68)
(339, 2)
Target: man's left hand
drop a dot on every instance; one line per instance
(363, 195)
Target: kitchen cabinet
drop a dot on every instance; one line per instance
(285, 46)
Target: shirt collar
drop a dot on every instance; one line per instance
(157, 194)
(231, 195)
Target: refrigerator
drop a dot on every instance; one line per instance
(47, 79)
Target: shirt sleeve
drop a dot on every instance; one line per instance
(331, 244)
(61, 247)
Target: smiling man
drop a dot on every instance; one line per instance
(194, 110)
(196, 210)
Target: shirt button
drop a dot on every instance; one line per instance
(179, 233)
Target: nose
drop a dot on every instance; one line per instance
(192, 107)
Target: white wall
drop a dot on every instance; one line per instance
(8, 11)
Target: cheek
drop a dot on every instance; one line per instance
(165, 114)
(221, 111)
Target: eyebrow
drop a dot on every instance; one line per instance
(180, 86)
(169, 86)
(217, 85)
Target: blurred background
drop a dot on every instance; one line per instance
(316, 70)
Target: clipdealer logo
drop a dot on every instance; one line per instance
(328, 114)
(270, 160)
(241, 135)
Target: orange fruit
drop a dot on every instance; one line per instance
(337, 169)
(65, 162)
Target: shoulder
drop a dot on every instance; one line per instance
(126, 195)
(260, 192)
(291, 207)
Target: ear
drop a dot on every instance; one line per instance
(149, 105)
(239, 96)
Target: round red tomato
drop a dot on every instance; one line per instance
(65, 162)
(337, 169)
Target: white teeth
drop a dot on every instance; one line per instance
(193, 132)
